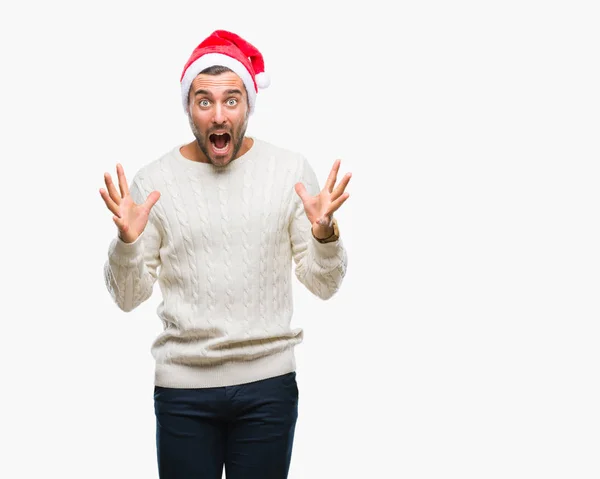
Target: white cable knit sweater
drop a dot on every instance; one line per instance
(220, 241)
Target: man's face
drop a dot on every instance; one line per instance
(218, 115)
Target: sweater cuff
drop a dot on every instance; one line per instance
(126, 254)
(326, 251)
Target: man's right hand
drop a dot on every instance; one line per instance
(130, 218)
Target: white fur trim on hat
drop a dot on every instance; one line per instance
(211, 59)
(263, 80)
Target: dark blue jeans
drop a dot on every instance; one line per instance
(247, 428)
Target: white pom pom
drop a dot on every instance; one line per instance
(263, 80)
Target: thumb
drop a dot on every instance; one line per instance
(151, 200)
(302, 193)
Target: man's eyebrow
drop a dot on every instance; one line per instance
(233, 91)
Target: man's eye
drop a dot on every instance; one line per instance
(232, 102)
(203, 103)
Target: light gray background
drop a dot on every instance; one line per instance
(464, 341)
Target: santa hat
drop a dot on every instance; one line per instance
(229, 50)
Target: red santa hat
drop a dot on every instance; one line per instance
(229, 50)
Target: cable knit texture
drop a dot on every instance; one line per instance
(221, 242)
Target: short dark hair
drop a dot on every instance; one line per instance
(215, 70)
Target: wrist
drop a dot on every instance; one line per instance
(323, 227)
(322, 232)
(326, 233)
(127, 238)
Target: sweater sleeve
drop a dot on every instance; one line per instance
(132, 268)
(320, 267)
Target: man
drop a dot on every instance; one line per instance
(234, 211)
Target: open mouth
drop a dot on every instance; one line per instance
(220, 142)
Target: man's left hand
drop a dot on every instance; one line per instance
(320, 208)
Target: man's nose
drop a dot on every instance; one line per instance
(219, 114)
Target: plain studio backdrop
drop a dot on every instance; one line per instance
(464, 340)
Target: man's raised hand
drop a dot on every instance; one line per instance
(130, 218)
(320, 208)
